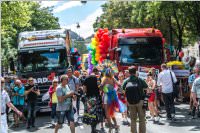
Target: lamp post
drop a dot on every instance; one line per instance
(83, 1)
(78, 27)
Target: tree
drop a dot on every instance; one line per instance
(22, 16)
(13, 13)
(193, 14)
(116, 15)
(81, 47)
(42, 18)
(177, 19)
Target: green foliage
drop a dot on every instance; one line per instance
(42, 18)
(22, 16)
(180, 17)
(82, 49)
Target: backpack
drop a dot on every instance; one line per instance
(133, 91)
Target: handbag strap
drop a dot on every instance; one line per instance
(172, 80)
(171, 77)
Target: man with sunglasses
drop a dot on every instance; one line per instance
(32, 92)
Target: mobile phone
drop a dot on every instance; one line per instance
(35, 88)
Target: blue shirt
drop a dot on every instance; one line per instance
(73, 81)
(18, 100)
(191, 78)
(67, 103)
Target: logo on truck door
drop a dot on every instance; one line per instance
(42, 80)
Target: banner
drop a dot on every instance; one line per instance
(143, 71)
(181, 73)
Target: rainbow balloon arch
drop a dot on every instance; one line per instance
(98, 49)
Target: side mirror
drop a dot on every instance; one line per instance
(118, 49)
(12, 65)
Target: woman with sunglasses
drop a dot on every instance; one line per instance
(151, 91)
(53, 100)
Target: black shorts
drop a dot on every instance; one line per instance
(62, 114)
(19, 107)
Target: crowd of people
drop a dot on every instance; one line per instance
(102, 93)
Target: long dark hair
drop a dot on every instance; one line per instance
(94, 90)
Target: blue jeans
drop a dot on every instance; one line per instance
(53, 110)
(31, 113)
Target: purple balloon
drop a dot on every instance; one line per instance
(90, 66)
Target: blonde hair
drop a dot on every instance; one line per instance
(63, 77)
(54, 80)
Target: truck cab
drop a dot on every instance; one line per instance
(139, 47)
(42, 55)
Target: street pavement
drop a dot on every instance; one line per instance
(183, 124)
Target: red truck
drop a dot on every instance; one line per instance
(140, 47)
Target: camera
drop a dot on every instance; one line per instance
(76, 93)
(35, 88)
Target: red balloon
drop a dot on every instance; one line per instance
(181, 54)
(106, 30)
(105, 35)
(103, 56)
(101, 46)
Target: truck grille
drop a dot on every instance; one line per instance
(43, 90)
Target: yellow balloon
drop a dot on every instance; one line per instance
(94, 40)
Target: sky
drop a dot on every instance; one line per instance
(72, 12)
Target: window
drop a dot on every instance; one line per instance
(141, 50)
(43, 61)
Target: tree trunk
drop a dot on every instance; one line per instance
(180, 41)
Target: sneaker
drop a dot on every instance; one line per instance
(173, 115)
(169, 119)
(189, 113)
(152, 119)
(28, 127)
(157, 119)
(173, 119)
(125, 123)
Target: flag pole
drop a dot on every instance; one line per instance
(67, 43)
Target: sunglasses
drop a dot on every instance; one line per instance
(2, 82)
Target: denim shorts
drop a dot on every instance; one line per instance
(62, 114)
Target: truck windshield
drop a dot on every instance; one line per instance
(43, 61)
(141, 50)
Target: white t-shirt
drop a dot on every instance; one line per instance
(165, 80)
(4, 100)
(196, 87)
